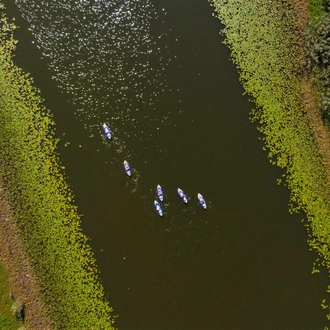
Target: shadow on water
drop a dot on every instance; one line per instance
(157, 73)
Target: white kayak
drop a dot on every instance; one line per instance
(159, 192)
(107, 131)
(201, 201)
(127, 168)
(182, 195)
(158, 208)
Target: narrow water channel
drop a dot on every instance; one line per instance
(158, 74)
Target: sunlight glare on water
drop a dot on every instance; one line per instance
(101, 53)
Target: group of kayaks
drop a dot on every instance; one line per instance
(182, 195)
(159, 190)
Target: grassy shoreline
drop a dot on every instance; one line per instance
(267, 45)
(21, 280)
(42, 204)
(8, 321)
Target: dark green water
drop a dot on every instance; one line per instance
(158, 74)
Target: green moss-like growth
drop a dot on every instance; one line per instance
(316, 8)
(267, 45)
(8, 321)
(43, 203)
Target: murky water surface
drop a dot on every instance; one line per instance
(157, 74)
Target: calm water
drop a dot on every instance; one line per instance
(158, 74)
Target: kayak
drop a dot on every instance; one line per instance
(159, 192)
(182, 195)
(127, 168)
(107, 131)
(158, 208)
(201, 201)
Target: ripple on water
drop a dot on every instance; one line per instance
(104, 55)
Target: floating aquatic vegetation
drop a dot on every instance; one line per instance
(43, 203)
(266, 44)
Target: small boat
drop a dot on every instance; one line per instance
(159, 192)
(201, 201)
(107, 131)
(182, 195)
(158, 208)
(127, 168)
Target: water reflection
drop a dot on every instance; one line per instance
(103, 54)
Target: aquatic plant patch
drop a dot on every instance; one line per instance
(42, 202)
(266, 45)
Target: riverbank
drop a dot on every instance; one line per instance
(23, 285)
(267, 44)
(309, 94)
(43, 222)
(8, 319)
